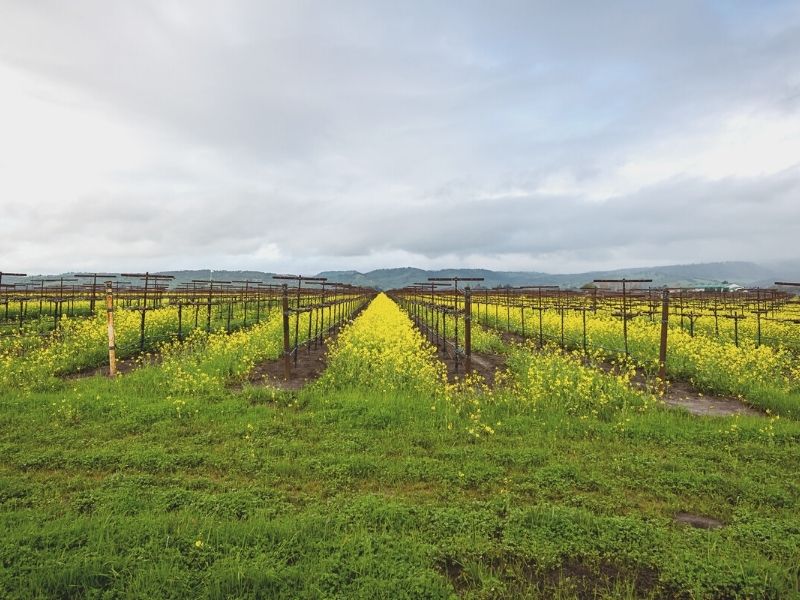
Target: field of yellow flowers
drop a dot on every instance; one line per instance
(205, 363)
(384, 479)
(33, 361)
(765, 376)
(777, 328)
(382, 350)
(201, 362)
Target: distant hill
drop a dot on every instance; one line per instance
(743, 273)
(701, 274)
(386, 279)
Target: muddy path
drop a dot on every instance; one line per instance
(305, 366)
(311, 361)
(680, 394)
(683, 395)
(124, 366)
(484, 364)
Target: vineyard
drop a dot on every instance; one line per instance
(303, 438)
(742, 344)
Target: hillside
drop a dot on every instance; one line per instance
(743, 273)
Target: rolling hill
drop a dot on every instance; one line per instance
(742, 273)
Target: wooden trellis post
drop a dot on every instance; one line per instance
(286, 357)
(112, 344)
(662, 352)
(467, 330)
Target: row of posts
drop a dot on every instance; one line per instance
(339, 309)
(467, 314)
(439, 338)
(286, 310)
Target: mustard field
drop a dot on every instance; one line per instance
(387, 476)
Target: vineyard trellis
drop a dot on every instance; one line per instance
(37, 307)
(341, 301)
(441, 307)
(431, 304)
(687, 308)
(773, 314)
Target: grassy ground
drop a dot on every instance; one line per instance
(112, 489)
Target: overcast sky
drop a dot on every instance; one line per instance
(301, 136)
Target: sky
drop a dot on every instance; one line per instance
(307, 136)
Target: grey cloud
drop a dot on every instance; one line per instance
(349, 130)
(751, 213)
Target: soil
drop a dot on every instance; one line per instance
(682, 395)
(698, 521)
(488, 364)
(311, 362)
(522, 573)
(509, 337)
(124, 366)
(484, 364)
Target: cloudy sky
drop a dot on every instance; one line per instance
(301, 136)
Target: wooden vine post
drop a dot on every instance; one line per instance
(662, 353)
(286, 356)
(112, 344)
(468, 329)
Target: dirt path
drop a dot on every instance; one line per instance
(124, 366)
(488, 364)
(311, 362)
(484, 364)
(682, 395)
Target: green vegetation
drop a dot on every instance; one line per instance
(766, 377)
(114, 489)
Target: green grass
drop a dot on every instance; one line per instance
(105, 491)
